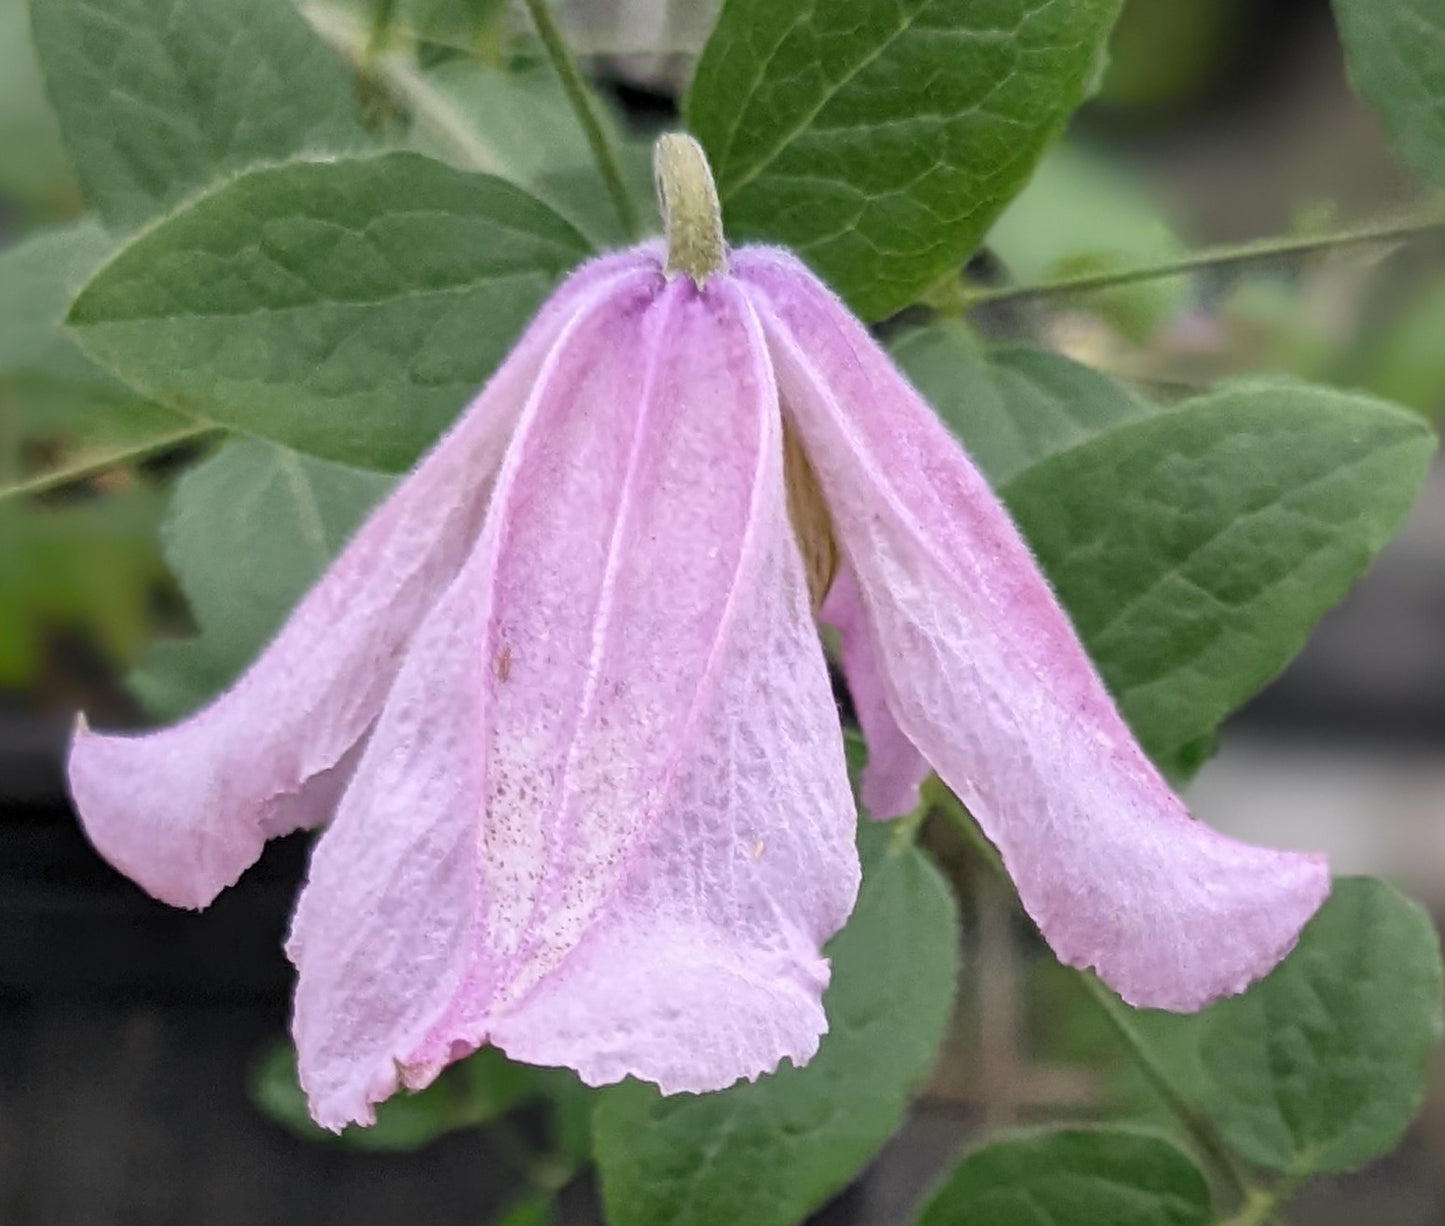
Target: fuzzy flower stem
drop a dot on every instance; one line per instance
(691, 215)
(570, 75)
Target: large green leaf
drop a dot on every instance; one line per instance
(347, 308)
(880, 138)
(1395, 51)
(1012, 406)
(768, 1152)
(1321, 1066)
(1196, 548)
(248, 531)
(158, 99)
(1079, 1177)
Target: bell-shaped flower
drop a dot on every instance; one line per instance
(564, 705)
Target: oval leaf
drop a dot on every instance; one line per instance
(1081, 1177)
(1196, 548)
(1395, 51)
(880, 138)
(1321, 1066)
(347, 309)
(158, 99)
(1013, 406)
(769, 1152)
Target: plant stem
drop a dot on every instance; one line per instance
(1210, 257)
(1200, 1130)
(571, 77)
(79, 471)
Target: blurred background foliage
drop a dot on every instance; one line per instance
(1216, 121)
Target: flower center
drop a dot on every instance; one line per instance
(809, 515)
(691, 215)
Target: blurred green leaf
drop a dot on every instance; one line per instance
(247, 533)
(1077, 1177)
(1395, 53)
(1321, 1066)
(38, 277)
(1012, 406)
(475, 1091)
(1080, 214)
(34, 171)
(87, 569)
(347, 309)
(158, 99)
(880, 138)
(519, 125)
(1196, 548)
(768, 1152)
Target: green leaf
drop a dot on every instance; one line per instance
(1195, 548)
(1395, 53)
(520, 126)
(248, 532)
(768, 1152)
(1012, 406)
(158, 99)
(880, 138)
(1321, 1066)
(472, 1092)
(1076, 1177)
(348, 309)
(34, 171)
(38, 278)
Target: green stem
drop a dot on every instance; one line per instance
(1261, 1205)
(1210, 1145)
(94, 465)
(571, 77)
(1200, 1130)
(1209, 257)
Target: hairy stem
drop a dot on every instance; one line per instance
(1210, 257)
(1200, 1130)
(571, 77)
(94, 465)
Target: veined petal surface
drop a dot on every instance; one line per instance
(604, 819)
(895, 768)
(185, 810)
(985, 675)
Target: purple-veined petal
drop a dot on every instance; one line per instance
(185, 810)
(985, 674)
(604, 818)
(895, 768)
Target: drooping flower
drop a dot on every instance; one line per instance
(564, 705)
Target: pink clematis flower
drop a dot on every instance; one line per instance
(564, 696)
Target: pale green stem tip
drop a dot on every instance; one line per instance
(691, 215)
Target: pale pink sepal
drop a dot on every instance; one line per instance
(604, 819)
(895, 768)
(986, 677)
(185, 810)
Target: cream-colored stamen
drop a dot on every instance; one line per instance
(691, 215)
